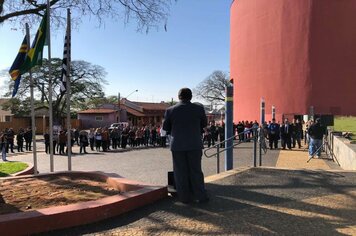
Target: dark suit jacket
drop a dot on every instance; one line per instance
(185, 122)
(284, 134)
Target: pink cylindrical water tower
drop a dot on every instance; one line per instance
(296, 54)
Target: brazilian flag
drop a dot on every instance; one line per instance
(15, 68)
(34, 55)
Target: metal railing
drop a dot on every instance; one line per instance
(257, 136)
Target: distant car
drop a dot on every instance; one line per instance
(116, 125)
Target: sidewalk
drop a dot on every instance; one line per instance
(257, 201)
(297, 159)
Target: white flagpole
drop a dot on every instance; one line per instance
(50, 106)
(33, 121)
(69, 144)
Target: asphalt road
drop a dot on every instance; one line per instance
(148, 165)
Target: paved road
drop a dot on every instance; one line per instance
(147, 165)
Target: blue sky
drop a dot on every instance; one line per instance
(159, 63)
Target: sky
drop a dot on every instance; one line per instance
(157, 64)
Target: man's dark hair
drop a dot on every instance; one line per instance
(185, 94)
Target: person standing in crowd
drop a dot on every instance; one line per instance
(83, 141)
(62, 142)
(76, 137)
(316, 133)
(114, 135)
(221, 133)
(46, 140)
(91, 137)
(124, 137)
(163, 134)
(185, 122)
(146, 135)
(10, 140)
(98, 139)
(286, 132)
(19, 140)
(273, 134)
(240, 130)
(105, 140)
(306, 135)
(214, 135)
(3, 143)
(28, 139)
(153, 136)
(297, 133)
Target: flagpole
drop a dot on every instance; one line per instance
(33, 121)
(50, 105)
(69, 144)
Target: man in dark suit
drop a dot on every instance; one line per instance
(185, 122)
(286, 134)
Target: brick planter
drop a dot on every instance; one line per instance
(134, 195)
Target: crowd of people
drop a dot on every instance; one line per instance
(7, 141)
(105, 139)
(290, 135)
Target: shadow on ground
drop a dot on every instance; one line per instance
(256, 201)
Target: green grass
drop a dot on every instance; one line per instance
(7, 168)
(346, 124)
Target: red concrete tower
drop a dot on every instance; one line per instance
(295, 54)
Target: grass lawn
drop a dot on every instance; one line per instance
(7, 168)
(345, 124)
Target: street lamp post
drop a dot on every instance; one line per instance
(119, 105)
(131, 93)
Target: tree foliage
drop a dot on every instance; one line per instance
(86, 83)
(212, 89)
(147, 13)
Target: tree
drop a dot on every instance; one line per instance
(212, 89)
(147, 13)
(86, 83)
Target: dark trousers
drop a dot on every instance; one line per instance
(20, 146)
(47, 147)
(286, 141)
(273, 141)
(91, 142)
(188, 175)
(28, 145)
(10, 145)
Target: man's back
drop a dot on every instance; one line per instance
(185, 122)
(316, 131)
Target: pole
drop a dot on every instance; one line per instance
(273, 112)
(311, 113)
(50, 105)
(119, 106)
(33, 121)
(69, 143)
(261, 130)
(254, 147)
(44, 124)
(229, 128)
(217, 159)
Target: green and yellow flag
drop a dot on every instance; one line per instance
(34, 55)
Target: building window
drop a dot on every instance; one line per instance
(98, 118)
(7, 118)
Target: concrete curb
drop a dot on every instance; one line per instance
(28, 171)
(225, 174)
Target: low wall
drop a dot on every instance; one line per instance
(344, 152)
